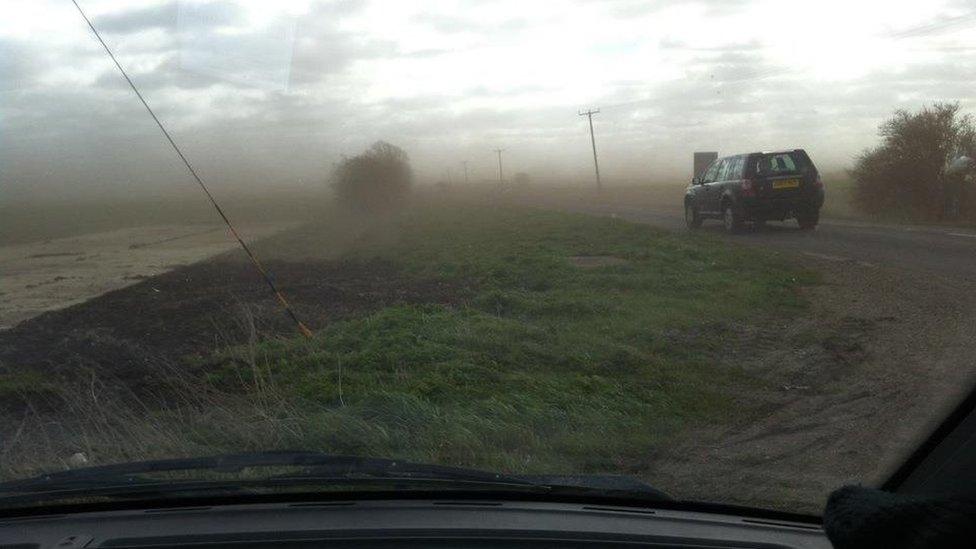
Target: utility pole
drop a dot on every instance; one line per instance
(596, 164)
(500, 172)
(465, 163)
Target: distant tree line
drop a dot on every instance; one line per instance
(908, 175)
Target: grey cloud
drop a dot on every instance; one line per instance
(336, 9)
(286, 134)
(669, 43)
(638, 8)
(136, 20)
(322, 54)
(938, 25)
(691, 109)
(732, 67)
(167, 74)
(449, 24)
(274, 57)
(958, 69)
(484, 91)
(724, 7)
(168, 15)
(626, 9)
(427, 53)
(18, 66)
(322, 48)
(209, 15)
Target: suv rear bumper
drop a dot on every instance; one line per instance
(779, 208)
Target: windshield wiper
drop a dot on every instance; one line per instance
(137, 478)
(181, 477)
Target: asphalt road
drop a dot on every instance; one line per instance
(943, 251)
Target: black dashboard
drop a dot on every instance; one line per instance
(405, 523)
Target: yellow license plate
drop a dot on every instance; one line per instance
(786, 184)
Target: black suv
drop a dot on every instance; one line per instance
(756, 187)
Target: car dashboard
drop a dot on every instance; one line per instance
(405, 523)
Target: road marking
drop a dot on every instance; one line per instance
(967, 235)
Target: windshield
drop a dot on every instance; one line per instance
(521, 240)
(781, 163)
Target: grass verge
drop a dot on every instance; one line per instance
(545, 365)
(575, 344)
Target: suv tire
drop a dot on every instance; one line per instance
(693, 219)
(808, 220)
(731, 219)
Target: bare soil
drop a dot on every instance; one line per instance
(47, 275)
(200, 308)
(850, 390)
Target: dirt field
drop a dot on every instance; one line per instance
(53, 274)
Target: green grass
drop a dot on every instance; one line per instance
(17, 386)
(23, 221)
(543, 366)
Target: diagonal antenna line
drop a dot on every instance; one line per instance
(257, 264)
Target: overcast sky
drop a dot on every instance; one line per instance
(262, 95)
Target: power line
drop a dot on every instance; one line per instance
(257, 264)
(596, 164)
(501, 177)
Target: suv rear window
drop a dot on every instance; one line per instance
(781, 163)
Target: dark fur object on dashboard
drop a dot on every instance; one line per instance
(866, 518)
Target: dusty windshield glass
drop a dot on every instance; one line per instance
(726, 256)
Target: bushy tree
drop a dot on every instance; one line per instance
(906, 174)
(377, 180)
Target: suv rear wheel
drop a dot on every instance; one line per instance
(692, 218)
(731, 219)
(808, 220)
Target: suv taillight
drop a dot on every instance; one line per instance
(818, 183)
(747, 188)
